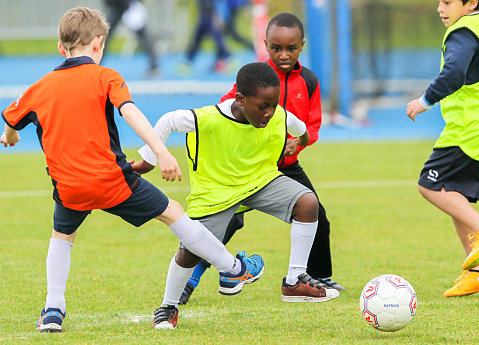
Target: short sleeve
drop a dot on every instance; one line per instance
(119, 93)
(18, 114)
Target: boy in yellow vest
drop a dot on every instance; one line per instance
(450, 178)
(233, 150)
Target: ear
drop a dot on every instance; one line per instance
(97, 43)
(472, 5)
(61, 50)
(266, 43)
(302, 44)
(240, 98)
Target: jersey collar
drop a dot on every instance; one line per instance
(73, 62)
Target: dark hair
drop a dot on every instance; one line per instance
(466, 1)
(254, 76)
(287, 20)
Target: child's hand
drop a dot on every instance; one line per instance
(414, 108)
(291, 147)
(169, 167)
(10, 138)
(141, 167)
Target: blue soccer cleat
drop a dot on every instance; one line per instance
(51, 320)
(252, 268)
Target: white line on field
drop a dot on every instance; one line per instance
(171, 189)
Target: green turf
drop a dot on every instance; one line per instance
(380, 224)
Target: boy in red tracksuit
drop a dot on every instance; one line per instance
(300, 94)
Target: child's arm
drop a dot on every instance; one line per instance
(9, 137)
(140, 124)
(313, 121)
(297, 128)
(181, 120)
(417, 106)
(303, 140)
(461, 47)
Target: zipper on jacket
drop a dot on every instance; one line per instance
(286, 89)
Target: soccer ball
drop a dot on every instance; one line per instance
(388, 302)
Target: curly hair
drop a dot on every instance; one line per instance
(254, 76)
(287, 20)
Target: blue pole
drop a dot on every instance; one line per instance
(344, 54)
(318, 16)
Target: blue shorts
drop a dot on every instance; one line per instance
(450, 168)
(145, 203)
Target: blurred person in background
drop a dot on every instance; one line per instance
(233, 8)
(133, 13)
(208, 24)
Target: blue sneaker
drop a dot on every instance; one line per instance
(252, 268)
(50, 320)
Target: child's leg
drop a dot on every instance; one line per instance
(198, 272)
(198, 239)
(65, 223)
(184, 261)
(290, 201)
(58, 268)
(319, 262)
(236, 223)
(464, 216)
(303, 230)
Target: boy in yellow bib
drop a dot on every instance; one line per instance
(450, 178)
(233, 150)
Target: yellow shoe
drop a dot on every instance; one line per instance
(465, 284)
(472, 259)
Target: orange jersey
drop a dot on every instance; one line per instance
(72, 108)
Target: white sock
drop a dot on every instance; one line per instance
(201, 242)
(302, 237)
(58, 267)
(175, 282)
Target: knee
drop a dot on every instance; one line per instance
(172, 213)
(306, 208)
(186, 259)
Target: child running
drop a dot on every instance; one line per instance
(300, 94)
(73, 109)
(233, 151)
(450, 177)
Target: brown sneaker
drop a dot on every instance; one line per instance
(307, 289)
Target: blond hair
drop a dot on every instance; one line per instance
(79, 26)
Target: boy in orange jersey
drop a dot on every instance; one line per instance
(73, 108)
(300, 94)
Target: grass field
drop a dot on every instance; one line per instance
(380, 224)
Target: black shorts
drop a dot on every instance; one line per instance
(145, 203)
(450, 168)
